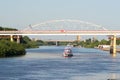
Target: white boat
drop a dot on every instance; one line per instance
(67, 52)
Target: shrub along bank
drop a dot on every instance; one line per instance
(8, 49)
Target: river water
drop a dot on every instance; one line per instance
(47, 63)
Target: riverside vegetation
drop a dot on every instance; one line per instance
(9, 49)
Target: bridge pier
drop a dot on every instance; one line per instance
(78, 38)
(18, 39)
(113, 45)
(94, 38)
(11, 38)
(56, 43)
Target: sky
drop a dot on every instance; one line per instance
(20, 13)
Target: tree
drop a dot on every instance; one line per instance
(104, 42)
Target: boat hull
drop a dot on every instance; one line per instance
(67, 55)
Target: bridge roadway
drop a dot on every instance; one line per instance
(61, 32)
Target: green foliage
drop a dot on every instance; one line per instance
(91, 44)
(8, 49)
(63, 43)
(27, 43)
(7, 29)
(104, 42)
(118, 42)
(25, 39)
(40, 42)
(50, 43)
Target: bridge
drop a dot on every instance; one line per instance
(61, 32)
(66, 27)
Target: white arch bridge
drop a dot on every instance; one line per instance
(66, 27)
(63, 27)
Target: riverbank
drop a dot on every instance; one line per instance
(108, 49)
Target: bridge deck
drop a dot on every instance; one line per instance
(62, 32)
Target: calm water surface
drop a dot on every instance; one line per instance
(47, 63)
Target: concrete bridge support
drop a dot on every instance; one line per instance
(78, 38)
(11, 38)
(113, 45)
(56, 43)
(94, 38)
(18, 39)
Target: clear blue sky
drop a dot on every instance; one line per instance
(21, 13)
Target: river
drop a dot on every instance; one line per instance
(47, 63)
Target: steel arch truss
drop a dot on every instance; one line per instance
(66, 24)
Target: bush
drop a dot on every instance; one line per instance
(8, 49)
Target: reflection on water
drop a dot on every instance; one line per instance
(47, 63)
(43, 56)
(103, 76)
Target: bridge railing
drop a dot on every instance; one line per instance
(62, 32)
